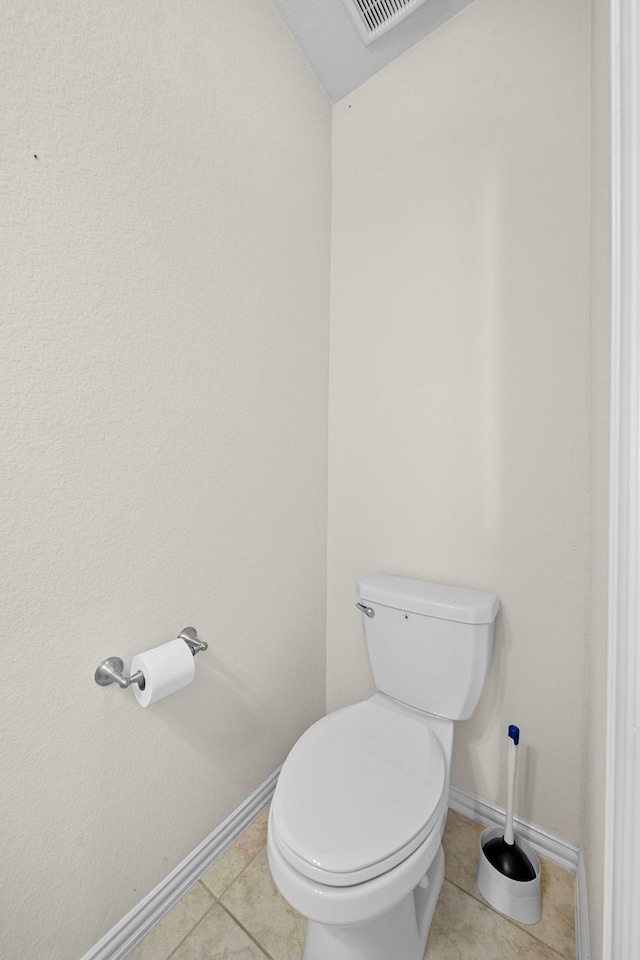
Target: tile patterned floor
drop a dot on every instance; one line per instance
(234, 911)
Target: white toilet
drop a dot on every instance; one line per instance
(360, 806)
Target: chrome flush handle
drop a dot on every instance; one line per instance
(368, 611)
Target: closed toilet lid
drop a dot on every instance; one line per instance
(359, 792)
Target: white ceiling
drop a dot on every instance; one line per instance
(328, 39)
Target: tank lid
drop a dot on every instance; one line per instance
(429, 599)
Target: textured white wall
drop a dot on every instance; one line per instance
(459, 404)
(165, 230)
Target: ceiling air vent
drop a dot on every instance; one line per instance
(373, 18)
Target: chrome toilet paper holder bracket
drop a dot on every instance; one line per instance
(110, 670)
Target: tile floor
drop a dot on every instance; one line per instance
(234, 911)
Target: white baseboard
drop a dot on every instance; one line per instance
(547, 845)
(126, 934)
(583, 945)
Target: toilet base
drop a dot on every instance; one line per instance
(401, 933)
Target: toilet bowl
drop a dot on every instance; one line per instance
(355, 828)
(383, 918)
(356, 821)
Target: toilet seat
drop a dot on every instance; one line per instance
(361, 790)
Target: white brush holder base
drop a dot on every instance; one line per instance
(518, 899)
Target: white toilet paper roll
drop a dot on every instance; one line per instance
(166, 668)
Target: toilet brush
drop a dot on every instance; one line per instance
(508, 872)
(503, 853)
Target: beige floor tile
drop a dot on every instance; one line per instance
(256, 903)
(218, 937)
(557, 926)
(460, 841)
(160, 942)
(465, 929)
(231, 864)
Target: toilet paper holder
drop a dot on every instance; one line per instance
(110, 670)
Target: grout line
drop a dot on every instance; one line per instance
(206, 889)
(248, 932)
(197, 924)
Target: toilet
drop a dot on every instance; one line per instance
(356, 820)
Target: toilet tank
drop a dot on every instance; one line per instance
(429, 645)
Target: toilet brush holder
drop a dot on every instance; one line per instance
(518, 899)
